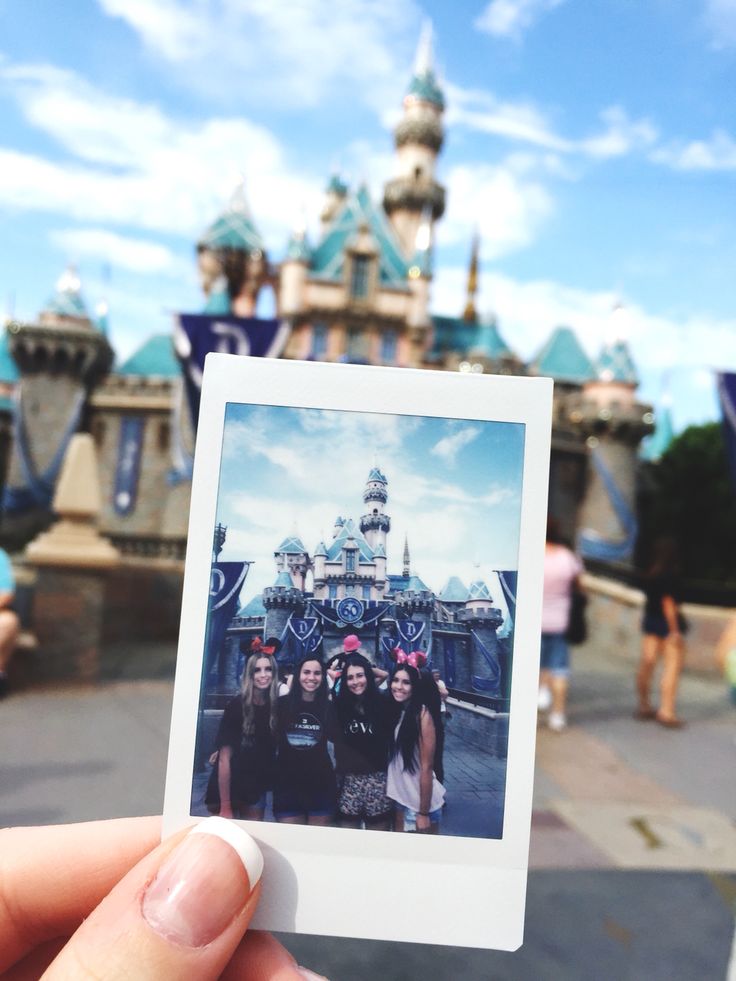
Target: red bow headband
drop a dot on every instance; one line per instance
(417, 659)
(257, 647)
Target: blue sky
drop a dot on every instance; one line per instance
(593, 144)
(453, 487)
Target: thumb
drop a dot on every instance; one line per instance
(180, 912)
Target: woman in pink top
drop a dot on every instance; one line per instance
(561, 570)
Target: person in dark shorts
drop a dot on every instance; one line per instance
(247, 737)
(304, 790)
(361, 731)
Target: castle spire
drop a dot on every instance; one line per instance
(470, 314)
(424, 60)
(407, 564)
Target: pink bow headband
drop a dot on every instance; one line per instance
(417, 659)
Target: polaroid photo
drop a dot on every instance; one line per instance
(358, 659)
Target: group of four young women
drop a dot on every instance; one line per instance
(384, 746)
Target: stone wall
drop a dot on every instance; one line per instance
(614, 624)
(481, 727)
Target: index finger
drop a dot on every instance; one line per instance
(51, 878)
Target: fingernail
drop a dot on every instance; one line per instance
(309, 975)
(202, 886)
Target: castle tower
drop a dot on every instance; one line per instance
(613, 424)
(470, 314)
(418, 139)
(420, 272)
(60, 359)
(233, 248)
(483, 620)
(407, 562)
(292, 557)
(375, 525)
(335, 194)
(293, 278)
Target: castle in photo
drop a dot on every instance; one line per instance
(359, 294)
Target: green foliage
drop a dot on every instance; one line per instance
(692, 498)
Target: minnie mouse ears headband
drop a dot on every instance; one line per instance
(417, 659)
(268, 649)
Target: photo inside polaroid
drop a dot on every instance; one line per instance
(356, 669)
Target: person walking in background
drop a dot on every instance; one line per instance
(662, 625)
(9, 622)
(561, 571)
(726, 656)
(444, 694)
(246, 740)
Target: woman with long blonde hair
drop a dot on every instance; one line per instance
(248, 735)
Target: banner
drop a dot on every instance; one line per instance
(226, 581)
(348, 612)
(594, 546)
(727, 398)
(127, 468)
(492, 684)
(449, 658)
(305, 637)
(197, 335)
(409, 634)
(38, 490)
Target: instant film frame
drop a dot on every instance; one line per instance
(463, 891)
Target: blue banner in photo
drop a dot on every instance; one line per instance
(305, 637)
(491, 684)
(197, 335)
(226, 581)
(127, 468)
(448, 644)
(409, 633)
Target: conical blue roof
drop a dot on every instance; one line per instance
(234, 229)
(328, 258)
(336, 185)
(67, 300)
(255, 608)
(564, 359)
(298, 248)
(479, 591)
(656, 445)
(488, 341)
(350, 530)
(284, 579)
(416, 584)
(9, 373)
(615, 364)
(424, 86)
(376, 474)
(292, 545)
(320, 549)
(455, 591)
(154, 357)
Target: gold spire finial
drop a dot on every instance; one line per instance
(470, 314)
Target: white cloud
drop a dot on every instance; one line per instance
(133, 254)
(449, 446)
(482, 111)
(295, 54)
(505, 207)
(136, 166)
(720, 20)
(511, 18)
(717, 153)
(621, 136)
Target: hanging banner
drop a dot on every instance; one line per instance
(449, 657)
(349, 612)
(305, 637)
(38, 490)
(594, 546)
(727, 398)
(490, 685)
(409, 633)
(508, 580)
(127, 468)
(197, 335)
(226, 581)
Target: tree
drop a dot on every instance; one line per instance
(689, 495)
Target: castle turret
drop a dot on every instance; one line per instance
(418, 139)
(407, 562)
(483, 620)
(420, 272)
(61, 358)
(293, 278)
(318, 574)
(375, 524)
(232, 247)
(335, 194)
(292, 557)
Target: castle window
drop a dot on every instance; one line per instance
(350, 561)
(332, 591)
(350, 590)
(357, 347)
(366, 592)
(359, 277)
(319, 341)
(388, 345)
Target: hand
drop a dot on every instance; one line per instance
(423, 823)
(106, 899)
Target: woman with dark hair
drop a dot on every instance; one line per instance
(361, 735)
(304, 788)
(430, 695)
(411, 781)
(662, 635)
(247, 737)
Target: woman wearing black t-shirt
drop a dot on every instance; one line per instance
(304, 790)
(246, 741)
(662, 635)
(361, 737)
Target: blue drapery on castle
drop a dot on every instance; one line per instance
(591, 545)
(226, 581)
(492, 684)
(128, 464)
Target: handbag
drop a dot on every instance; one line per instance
(577, 627)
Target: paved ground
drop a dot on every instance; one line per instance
(633, 849)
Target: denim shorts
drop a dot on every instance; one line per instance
(410, 817)
(555, 655)
(294, 802)
(655, 624)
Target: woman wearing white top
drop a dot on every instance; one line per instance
(411, 781)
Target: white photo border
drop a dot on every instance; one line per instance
(468, 892)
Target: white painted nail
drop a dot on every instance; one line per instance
(239, 840)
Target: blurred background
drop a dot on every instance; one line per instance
(529, 187)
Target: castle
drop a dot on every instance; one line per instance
(359, 294)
